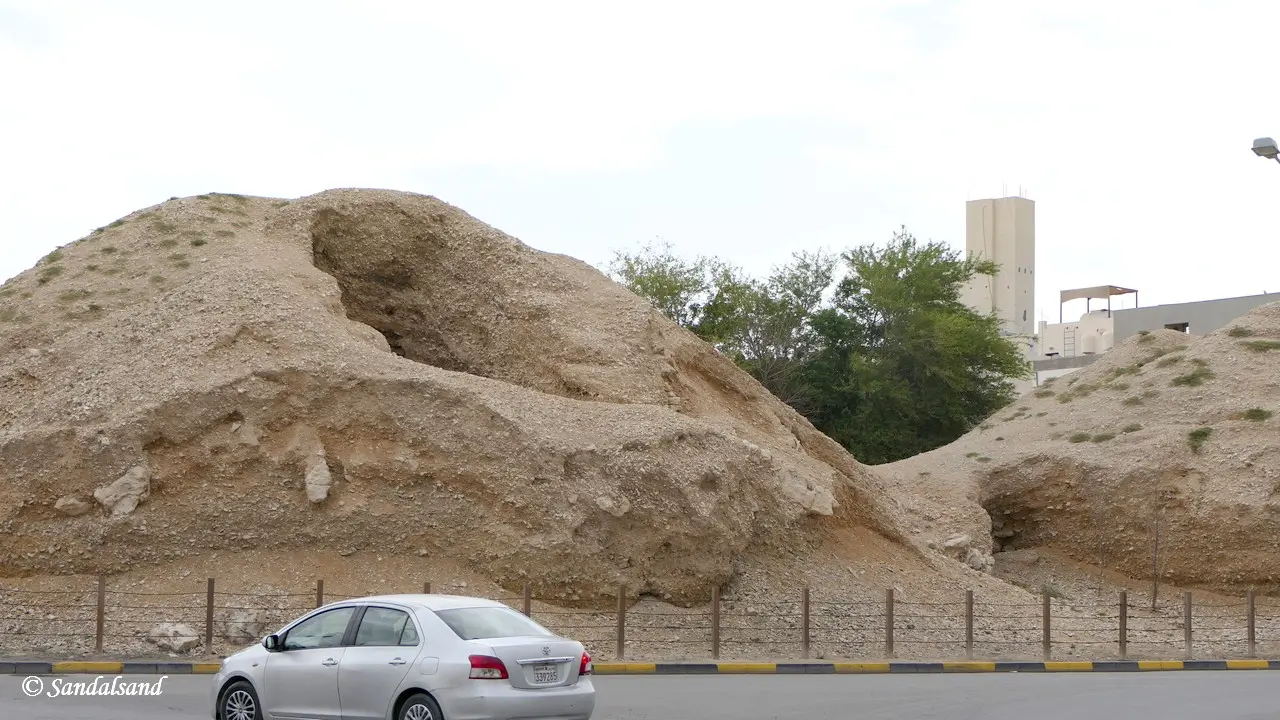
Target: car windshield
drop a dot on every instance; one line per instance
(480, 623)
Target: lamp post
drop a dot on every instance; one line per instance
(1266, 147)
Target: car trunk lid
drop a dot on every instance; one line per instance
(537, 662)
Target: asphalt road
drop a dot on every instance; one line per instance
(1228, 695)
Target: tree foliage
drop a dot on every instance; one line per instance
(885, 359)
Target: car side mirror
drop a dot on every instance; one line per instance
(271, 643)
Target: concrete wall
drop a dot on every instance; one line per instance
(1003, 230)
(1204, 317)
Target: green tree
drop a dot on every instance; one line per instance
(677, 287)
(906, 366)
(893, 364)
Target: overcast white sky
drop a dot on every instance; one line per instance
(741, 129)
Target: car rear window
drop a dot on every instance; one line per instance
(482, 623)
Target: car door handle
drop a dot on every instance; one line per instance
(329, 661)
(397, 661)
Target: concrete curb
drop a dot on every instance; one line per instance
(713, 668)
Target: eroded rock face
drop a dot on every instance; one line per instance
(473, 398)
(1166, 435)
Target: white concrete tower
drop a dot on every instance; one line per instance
(1003, 230)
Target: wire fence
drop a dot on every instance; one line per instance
(98, 619)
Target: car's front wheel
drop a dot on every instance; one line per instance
(420, 707)
(239, 702)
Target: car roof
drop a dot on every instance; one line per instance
(431, 602)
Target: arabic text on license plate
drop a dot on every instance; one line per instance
(545, 674)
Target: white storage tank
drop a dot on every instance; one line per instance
(1090, 343)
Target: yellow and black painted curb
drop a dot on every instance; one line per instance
(714, 668)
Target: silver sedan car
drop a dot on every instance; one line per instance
(408, 657)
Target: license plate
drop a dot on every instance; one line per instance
(545, 673)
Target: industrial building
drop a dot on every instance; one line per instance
(1003, 230)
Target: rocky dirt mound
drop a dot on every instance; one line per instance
(377, 372)
(1164, 436)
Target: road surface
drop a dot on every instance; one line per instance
(1225, 695)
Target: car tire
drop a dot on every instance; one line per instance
(420, 707)
(239, 701)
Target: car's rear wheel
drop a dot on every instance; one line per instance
(239, 702)
(420, 707)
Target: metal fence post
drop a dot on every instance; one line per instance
(208, 618)
(1252, 626)
(1046, 631)
(888, 623)
(968, 624)
(715, 623)
(102, 613)
(1124, 624)
(426, 587)
(319, 592)
(1186, 621)
(622, 622)
(526, 600)
(804, 624)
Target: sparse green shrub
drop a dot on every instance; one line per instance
(1169, 360)
(1144, 336)
(1239, 331)
(1256, 414)
(1041, 414)
(1078, 391)
(983, 458)
(1132, 401)
(73, 295)
(51, 258)
(48, 273)
(1121, 386)
(157, 279)
(1132, 427)
(1260, 346)
(1044, 393)
(971, 454)
(1103, 437)
(168, 242)
(1000, 438)
(95, 308)
(197, 242)
(1079, 437)
(1196, 438)
(1195, 378)
(8, 314)
(1053, 591)
(91, 267)
(116, 224)
(225, 233)
(108, 250)
(164, 228)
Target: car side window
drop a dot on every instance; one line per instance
(319, 631)
(383, 627)
(409, 638)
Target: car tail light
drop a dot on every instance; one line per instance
(484, 667)
(585, 667)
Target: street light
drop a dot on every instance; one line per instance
(1266, 147)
